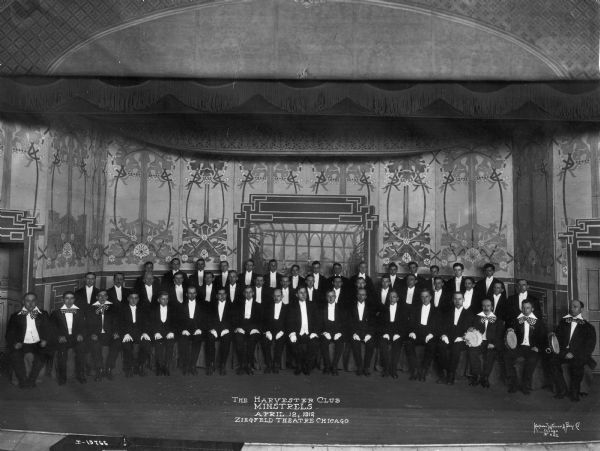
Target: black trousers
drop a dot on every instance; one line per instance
(411, 353)
(40, 355)
(163, 352)
(389, 350)
(272, 350)
(576, 371)
(135, 354)
(245, 344)
(338, 348)
(449, 355)
(62, 353)
(114, 347)
(189, 348)
(360, 361)
(305, 351)
(224, 346)
(481, 359)
(531, 360)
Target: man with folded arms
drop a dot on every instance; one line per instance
(193, 325)
(102, 322)
(393, 327)
(273, 337)
(28, 331)
(331, 326)
(221, 329)
(247, 323)
(422, 331)
(136, 339)
(302, 331)
(70, 326)
(362, 330)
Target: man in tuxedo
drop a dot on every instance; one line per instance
(207, 292)
(162, 326)
(362, 330)
(577, 340)
(176, 288)
(492, 329)
(442, 300)
(393, 332)
(222, 278)
(320, 281)
(422, 331)
(484, 289)
(148, 292)
(337, 272)
(28, 331)
(331, 328)
(247, 323)
(409, 293)
(500, 305)
(296, 280)
(302, 331)
(197, 278)
(169, 276)
(313, 294)
(117, 294)
(87, 294)
(273, 278)
(221, 329)
(413, 268)
(102, 324)
(138, 286)
(395, 281)
(453, 327)
(381, 299)
(273, 336)
(469, 296)
(522, 294)
(234, 289)
(262, 295)
(288, 295)
(249, 275)
(434, 271)
(135, 337)
(532, 339)
(70, 329)
(456, 283)
(193, 321)
(362, 274)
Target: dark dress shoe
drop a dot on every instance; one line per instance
(560, 395)
(335, 372)
(239, 371)
(574, 397)
(366, 372)
(222, 371)
(108, 373)
(249, 370)
(512, 389)
(297, 371)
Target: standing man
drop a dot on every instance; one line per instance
(102, 322)
(176, 288)
(296, 280)
(362, 274)
(320, 282)
(249, 274)
(148, 293)
(70, 326)
(456, 283)
(395, 281)
(441, 301)
(28, 330)
(117, 294)
(288, 295)
(222, 278)
(484, 289)
(273, 327)
(234, 290)
(197, 278)
(262, 295)
(314, 295)
(469, 296)
(208, 291)
(87, 295)
(434, 271)
(516, 300)
(175, 264)
(413, 268)
(409, 293)
(273, 277)
(381, 298)
(500, 306)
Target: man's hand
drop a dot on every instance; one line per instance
(428, 337)
(79, 338)
(279, 335)
(491, 346)
(254, 331)
(386, 336)
(94, 337)
(412, 336)
(534, 349)
(157, 336)
(145, 336)
(313, 335)
(62, 339)
(356, 337)
(269, 335)
(224, 332)
(239, 330)
(170, 336)
(327, 335)
(337, 336)
(197, 332)
(569, 355)
(458, 339)
(293, 337)
(127, 338)
(185, 333)
(18, 345)
(43, 343)
(445, 339)
(367, 337)
(214, 332)
(115, 336)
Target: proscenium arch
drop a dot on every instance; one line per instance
(472, 23)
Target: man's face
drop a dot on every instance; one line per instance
(302, 294)
(191, 293)
(175, 264)
(295, 271)
(259, 281)
(410, 280)
(316, 268)
(118, 280)
(233, 277)
(457, 271)
(285, 282)
(439, 284)
(90, 280)
(208, 278)
(224, 266)
(277, 296)
(337, 283)
(362, 268)
(178, 279)
(310, 281)
(413, 268)
(489, 271)
(163, 299)
(526, 308)
(434, 271)
(385, 283)
(393, 270)
(149, 267)
(393, 298)
(222, 296)
(200, 264)
(360, 283)
(248, 293)
(133, 299)
(273, 266)
(337, 269)
(458, 300)
(497, 288)
(102, 297)
(486, 306)
(30, 302)
(468, 284)
(148, 279)
(575, 308)
(249, 266)
(331, 297)
(426, 297)
(69, 300)
(361, 295)
(522, 286)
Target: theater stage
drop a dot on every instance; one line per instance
(377, 410)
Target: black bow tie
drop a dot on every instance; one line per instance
(32, 314)
(570, 319)
(489, 319)
(100, 309)
(68, 310)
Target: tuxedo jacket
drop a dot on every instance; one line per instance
(323, 283)
(345, 299)
(255, 320)
(126, 324)
(17, 326)
(60, 323)
(173, 294)
(446, 304)
(332, 327)
(447, 327)
(227, 321)
(403, 294)
(201, 293)
(317, 297)
(301, 283)
(218, 280)
(238, 292)
(294, 318)
(292, 297)
(81, 297)
(242, 278)
(582, 342)
(112, 296)
(369, 283)
(375, 301)
(481, 293)
(504, 309)
(432, 325)
(345, 283)
(398, 283)
(139, 284)
(269, 323)
(94, 320)
(514, 303)
(362, 327)
(155, 324)
(420, 281)
(450, 285)
(169, 276)
(537, 333)
(266, 296)
(428, 283)
(278, 277)
(193, 280)
(202, 318)
(399, 325)
(144, 301)
(495, 330)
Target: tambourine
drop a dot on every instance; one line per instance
(510, 339)
(473, 338)
(553, 345)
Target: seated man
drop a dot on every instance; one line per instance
(577, 340)
(28, 331)
(453, 327)
(247, 322)
(362, 330)
(422, 331)
(393, 331)
(162, 322)
(492, 329)
(273, 337)
(531, 338)
(302, 332)
(103, 330)
(133, 327)
(70, 326)
(220, 329)
(331, 328)
(193, 325)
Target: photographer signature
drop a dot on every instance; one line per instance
(552, 429)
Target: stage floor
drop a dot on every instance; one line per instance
(371, 410)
